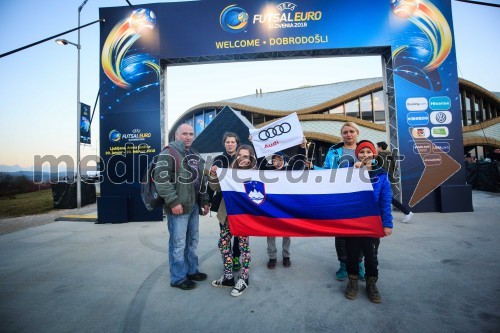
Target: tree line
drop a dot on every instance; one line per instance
(16, 184)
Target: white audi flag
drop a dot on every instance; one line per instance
(282, 134)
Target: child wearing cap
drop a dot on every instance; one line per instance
(365, 152)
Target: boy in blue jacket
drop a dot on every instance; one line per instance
(365, 152)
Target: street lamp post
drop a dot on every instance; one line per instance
(78, 116)
(78, 110)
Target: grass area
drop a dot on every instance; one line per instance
(26, 204)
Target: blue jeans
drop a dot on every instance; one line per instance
(182, 244)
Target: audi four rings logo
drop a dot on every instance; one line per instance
(275, 131)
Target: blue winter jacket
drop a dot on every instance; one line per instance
(332, 157)
(383, 194)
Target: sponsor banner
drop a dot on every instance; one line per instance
(426, 80)
(443, 146)
(417, 118)
(440, 132)
(440, 103)
(248, 26)
(85, 116)
(441, 117)
(284, 133)
(417, 104)
(420, 132)
(277, 207)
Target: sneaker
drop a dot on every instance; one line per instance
(198, 276)
(236, 264)
(341, 274)
(184, 285)
(361, 273)
(223, 282)
(286, 261)
(407, 218)
(240, 287)
(271, 263)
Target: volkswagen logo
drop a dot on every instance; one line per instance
(275, 131)
(441, 117)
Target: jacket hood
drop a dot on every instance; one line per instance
(179, 145)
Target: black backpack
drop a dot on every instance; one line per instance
(149, 193)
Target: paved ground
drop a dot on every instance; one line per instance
(439, 273)
(8, 225)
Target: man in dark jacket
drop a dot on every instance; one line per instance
(181, 190)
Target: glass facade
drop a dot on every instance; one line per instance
(475, 106)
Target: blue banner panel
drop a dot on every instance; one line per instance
(85, 123)
(210, 28)
(127, 146)
(427, 99)
(130, 129)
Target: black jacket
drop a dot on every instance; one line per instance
(222, 161)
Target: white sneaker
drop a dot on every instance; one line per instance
(240, 287)
(407, 218)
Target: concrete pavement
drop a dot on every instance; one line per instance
(439, 273)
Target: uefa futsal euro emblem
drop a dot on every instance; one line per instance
(233, 19)
(115, 136)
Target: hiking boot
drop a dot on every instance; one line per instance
(286, 261)
(198, 276)
(372, 290)
(185, 285)
(271, 263)
(351, 290)
(236, 264)
(223, 282)
(240, 287)
(341, 274)
(361, 271)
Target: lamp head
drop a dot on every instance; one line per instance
(62, 41)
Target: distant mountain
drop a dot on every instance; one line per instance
(11, 168)
(45, 168)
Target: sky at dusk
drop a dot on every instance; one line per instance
(38, 85)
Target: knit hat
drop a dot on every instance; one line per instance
(366, 144)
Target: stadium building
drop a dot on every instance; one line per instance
(323, 109)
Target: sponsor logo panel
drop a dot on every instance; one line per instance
(440, 103)
(417, 104)
(441, 117)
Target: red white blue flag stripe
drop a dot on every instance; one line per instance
(337, 202)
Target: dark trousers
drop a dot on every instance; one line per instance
(369, 247)
(400, 206)
(236, 247)
(341, 250)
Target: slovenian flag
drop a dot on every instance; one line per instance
(337, 202)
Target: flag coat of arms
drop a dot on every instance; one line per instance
(337, 202)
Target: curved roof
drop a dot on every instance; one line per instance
(310, 101)
(296, 99)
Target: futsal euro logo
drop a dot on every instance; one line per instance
(233, 19)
